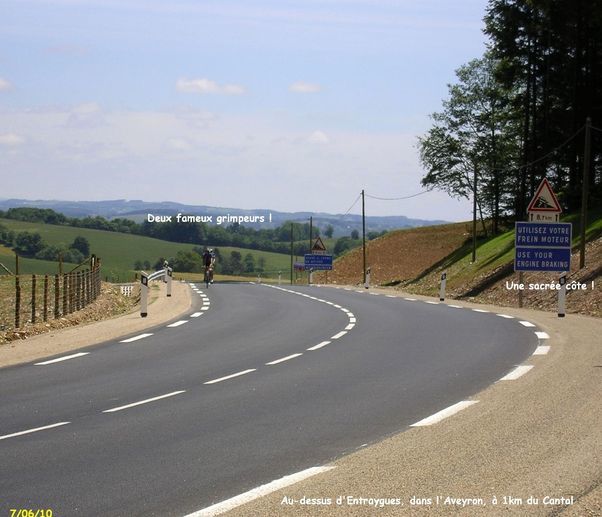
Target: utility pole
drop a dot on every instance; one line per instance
(292, 253)
(474, 216)
(364, 235)
(311, 231)
(585, 190)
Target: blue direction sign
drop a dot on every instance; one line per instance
(318, 262)
(542, 246)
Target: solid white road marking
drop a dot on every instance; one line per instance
(135, 338)
(505, 316)
(177, 323)
(196, 314)
(444, 413)
(519, 371)
(319, 345)
(256, 493)
(287, 358)
(238, 374)
(541, 350)
(340, 334)
(542, 335)
(33, 430)
(146, 401)
(526, 323)
(64, 358)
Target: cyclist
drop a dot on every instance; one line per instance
(209, 263)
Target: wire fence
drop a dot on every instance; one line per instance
(31, 299)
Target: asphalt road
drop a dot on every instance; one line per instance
(201, 436)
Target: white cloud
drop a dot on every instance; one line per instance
(303, 87)
(87, 115)
(208, 86)
(318, 137)
(4, 85)
(178, 144)
(11, 140)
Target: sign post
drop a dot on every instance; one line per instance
(169, 275)
(143, 295)
(542, 243)
(317, 260)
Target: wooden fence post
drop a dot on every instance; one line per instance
(17, 302)
(45, 316)
(65, 293)
(33, 298)
(57, 294)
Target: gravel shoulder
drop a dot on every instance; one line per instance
(161, 309)
(538, 436)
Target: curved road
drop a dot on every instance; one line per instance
(193, 414)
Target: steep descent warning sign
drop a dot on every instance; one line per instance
(318, 247)
(544, 206)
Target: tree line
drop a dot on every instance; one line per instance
(517, 114)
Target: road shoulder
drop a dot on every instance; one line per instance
(161, 309)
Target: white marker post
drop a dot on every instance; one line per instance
(169, 274)
(311, 276)
(367, 284)
(562, 297)
(279, 277)
(442, 290)
(143, 295)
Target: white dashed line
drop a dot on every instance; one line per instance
(256, 493)
(204, 308)
(432, 303)
(374, 294)
(391, 296)
(526, 323)
(541, 350)
(287, 358)
(135, 338)
(196, 314)
(244, 372)
(35, 430)
(505, 316)
(444, 413)
(319, 345)
(177, 323)
(410, 299)
(350, 326)
(352, 319)
(542, 335)
(519, 371)
(146, 401)
(339, 335)
(479, 310)
(64, 358)
(454, 306)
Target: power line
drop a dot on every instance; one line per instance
(354, 203)
(596, 128)
(398, 198)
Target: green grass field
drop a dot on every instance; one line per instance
(118, 251)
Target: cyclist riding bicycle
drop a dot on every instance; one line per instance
(209, 263)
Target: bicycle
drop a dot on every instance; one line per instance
(208, 277)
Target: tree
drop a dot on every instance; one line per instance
(329, 231)
(28, 244)
(236, 265)
(249, 263)
(82, 245)
(355, 235)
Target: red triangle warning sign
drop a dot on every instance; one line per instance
(318, 246)
(544, 199)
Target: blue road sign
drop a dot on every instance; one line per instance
(318, 262)
(542, 246)
(542, 259)
(548, 235)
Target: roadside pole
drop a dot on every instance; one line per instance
(143, 295)
(442, 290)
(562, 297)
(168, 276)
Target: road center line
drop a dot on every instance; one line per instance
(146, 401)
(444, 413)
(244, 372)
(256, 493)
(526, 323)
(35, 430)
(287, 358)
(196, 314)
(64, 358)
(135, 338)
(319, 345)
(340, 334)
(505, 316)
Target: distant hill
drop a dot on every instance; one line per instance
(137, 210)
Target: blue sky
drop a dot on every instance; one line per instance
(288, 105)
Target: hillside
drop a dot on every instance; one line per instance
(413, 260)
(118, 251)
